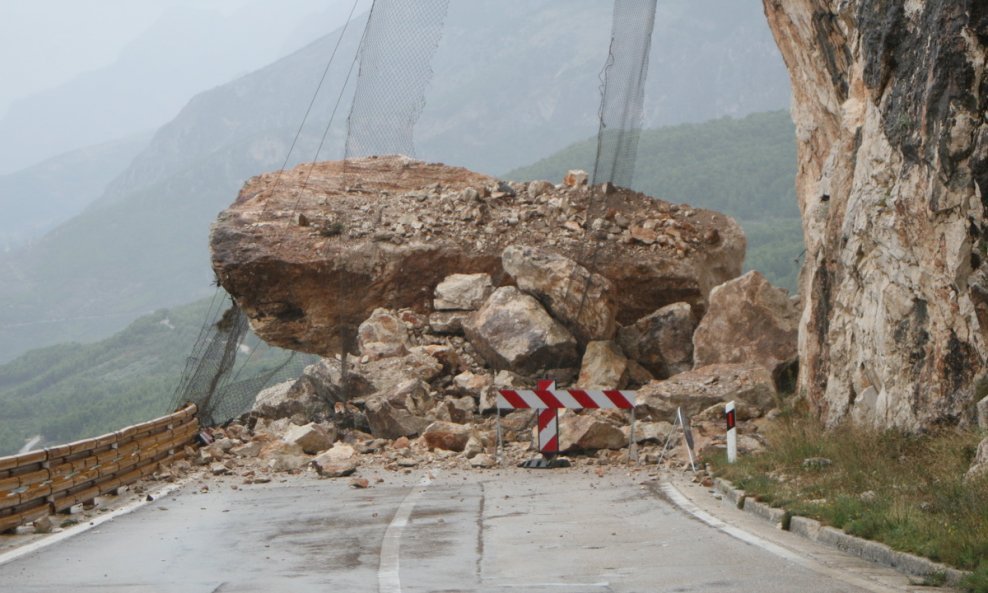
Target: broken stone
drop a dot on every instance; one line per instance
(750, 385)
(661, 342)
(448, 322)
(581, 300)
(390, 422)
(287, 399)
(360, 483)
(575, 178)
(604, 367)
(648, 432)
(339, 452)
(327, 466)
(463, 292)
(448, 436)
(473, 447)
(43, 525)
(382, 335)
(483, 460)
(512, 331)
(469, 382)
(325, 380)
(247, 450)
(218, 469)
(312, 437)
(750, 321)
(588, 431)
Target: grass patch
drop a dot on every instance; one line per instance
(902, 489)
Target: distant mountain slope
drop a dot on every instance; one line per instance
(745, 168)
(514, 80)
(74, 391)
(189, 49)
(36, 199)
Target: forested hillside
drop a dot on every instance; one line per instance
(743, 167)
(73, 391)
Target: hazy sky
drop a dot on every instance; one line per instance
(46, 42)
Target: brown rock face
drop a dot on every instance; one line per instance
(889, 106)
(397, 227)
(513, 331)
(750, 320)
(750, 385)
(663, 341)
(582, 300)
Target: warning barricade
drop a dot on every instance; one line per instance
(546, 400)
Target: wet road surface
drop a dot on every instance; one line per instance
(498, 531)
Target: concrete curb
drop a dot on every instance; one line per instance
(811, 529)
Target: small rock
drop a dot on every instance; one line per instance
(329, 468)
(575, 178)
(218, 469)
(483, 460)
(359, 483)
(43, 525)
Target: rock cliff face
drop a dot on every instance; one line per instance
(889, 105)
(310, 253)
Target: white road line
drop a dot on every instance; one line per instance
(54, 538)
(680, 500)
(388, 578)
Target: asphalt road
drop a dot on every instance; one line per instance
(499, 531)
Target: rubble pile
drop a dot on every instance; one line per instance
(465, 285)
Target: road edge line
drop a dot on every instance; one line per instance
(683, 503)
(26, 549)
(388, 572)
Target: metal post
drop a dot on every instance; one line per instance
(500, 438)
(732, 432)
(632, 444)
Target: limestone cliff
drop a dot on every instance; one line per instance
(889, 104)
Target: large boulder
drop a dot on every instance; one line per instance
(325, 380)
(749, 385)
(382, 335)
(462, 292)
(448, 436)
(387, 421)
(287, 399)
(662, 342)
(512, 331)
(604, 367)
(582, 300)
(589, 431)
(749, 320)
(312, 438)
(397, 227)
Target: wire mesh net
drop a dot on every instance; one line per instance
(395, 68)
(212, 379)
(623, 91)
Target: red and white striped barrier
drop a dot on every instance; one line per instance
(549, 431)
(570, 399)
(548, 400)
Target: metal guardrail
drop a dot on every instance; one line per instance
(35, 484)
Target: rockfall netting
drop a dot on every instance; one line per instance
(228, 366)
(395, 68)
(623, 91)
